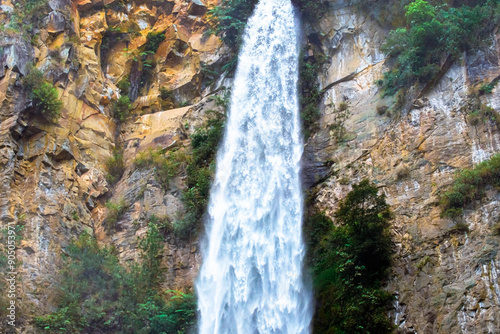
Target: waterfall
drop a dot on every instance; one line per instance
(251, 278)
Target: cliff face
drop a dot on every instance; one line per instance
(53, 176)
(445, 281)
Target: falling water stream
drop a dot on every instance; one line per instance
(251, 279)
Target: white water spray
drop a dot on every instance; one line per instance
(251, 279)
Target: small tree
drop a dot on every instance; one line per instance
(46, 101)
(354, 262)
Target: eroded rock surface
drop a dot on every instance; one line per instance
(53, 176)
(445, 281)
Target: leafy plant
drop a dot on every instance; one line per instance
(228, 21)
(312, 10)
(488, 88)
(432, 33)
(27, 16)
(496, 229)
(166, 94)
(121, 108)
(166, 164)
(200, 171)
(351, 262)
(115, 166)
(341, 114)
(115, 210)
(46, 101)
(469, 186)
(179, 316)
(99, 295)
(153, 41)
(310, 93)
(124, 85)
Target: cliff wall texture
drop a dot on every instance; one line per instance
(53, 176)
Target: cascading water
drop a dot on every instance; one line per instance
(251, 279)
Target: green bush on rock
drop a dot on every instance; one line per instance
(200, 171)
(228, 20)
(99, 295)
(469, 185)
(350, 264)
(432, 33)
(44, 96)
(46, 101)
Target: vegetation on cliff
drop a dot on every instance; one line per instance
(310, 94)
(44, 96)
(165, 164)
(99, 295)
(433, 33)
(200, 171)
(470, 185)
(350, 261)
(228, 21)
(26, 18)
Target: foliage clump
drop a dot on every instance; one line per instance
(44, 96)
(46, 101)
(27, 16)
(350, 263)
(310, 93)
(340, 113)
(115, 210)
(99, 295)
(166, 164)
(431, 34)
(228, 21)
(469, 185)
(153, 41)
(121, 108)
(312, 10)
(124, 85)
(115, 166)
(200, 171)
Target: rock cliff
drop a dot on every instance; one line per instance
(445, 281)
(53, 176)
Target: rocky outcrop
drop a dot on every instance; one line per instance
(53, 176)
(444, 281)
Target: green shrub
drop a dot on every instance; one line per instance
(166, 164)
(115, 210)
(151, 246)
(469, 186)
(310, 94)
(340, 115)
(228, 21)
(33, 79)
(488, 88)
(200, 171)
(153, 41)
(124, 85)
(496, 229)
(166, 94)
(179, 316)
(432, 33)
(350, 264)
(121, 108)
(477, 112)
(460, 227)
(46, 101)
(99, 295)
(312, 10)
(27, 17)
(115, 166)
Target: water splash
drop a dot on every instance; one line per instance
(251, 279)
